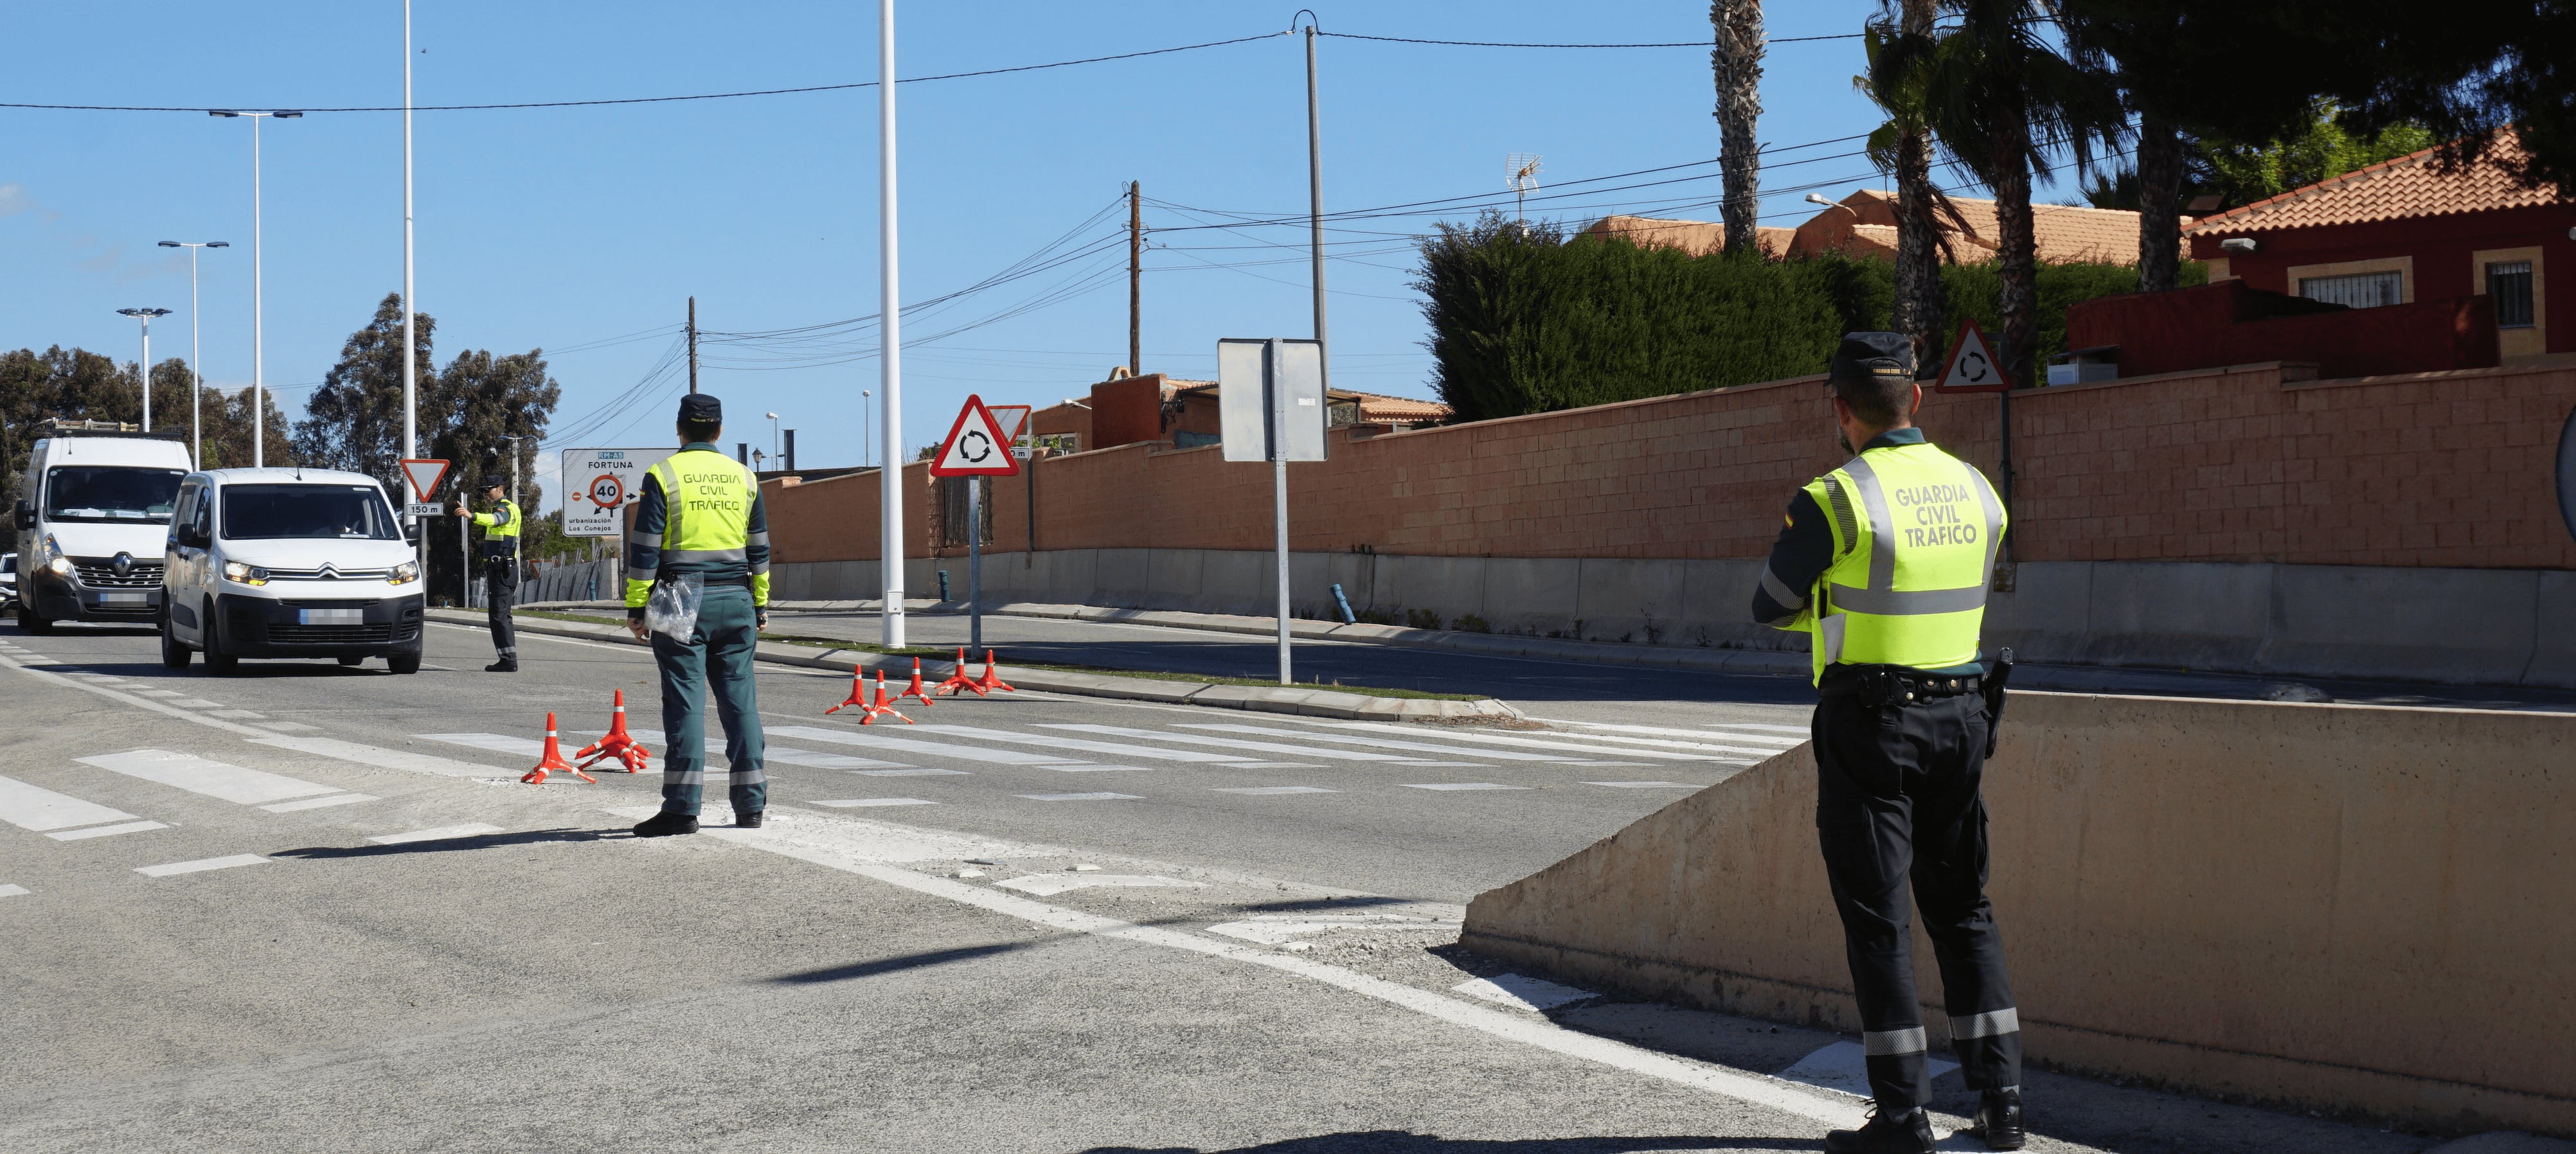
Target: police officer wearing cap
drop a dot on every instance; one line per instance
(701, 514)
(500, 531)
(1885, 564)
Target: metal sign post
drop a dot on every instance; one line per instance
(1270, 397)
(978, 446)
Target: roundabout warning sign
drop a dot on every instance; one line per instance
(977, 445)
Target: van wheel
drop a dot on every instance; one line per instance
(403, 662)
(32, 621)
(173, 654)
(218, 662)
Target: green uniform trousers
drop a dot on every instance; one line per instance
(718, 656)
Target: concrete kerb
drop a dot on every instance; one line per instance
(1262, 699)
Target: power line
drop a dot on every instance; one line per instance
(1495, 44)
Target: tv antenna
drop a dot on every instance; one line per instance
(1521, 174)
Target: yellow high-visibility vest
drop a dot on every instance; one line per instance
(1915, 531)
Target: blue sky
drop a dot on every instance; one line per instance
(564, 228)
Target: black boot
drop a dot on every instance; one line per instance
(666, 823)
(505, 665)
(1885, 1133)
(1999, 1119)
(746, 820)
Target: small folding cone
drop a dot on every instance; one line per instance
(858, 690)
(554, 759)
(991, 681)
(958, 680)
(882, 706)
(916, 690)
(619, 744)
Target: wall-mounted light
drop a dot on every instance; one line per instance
(2239, 244)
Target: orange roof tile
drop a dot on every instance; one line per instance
(1696, 237)
(2409, 186)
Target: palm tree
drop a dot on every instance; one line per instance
(1903, 146)
(1737, 63)
(2004, 104)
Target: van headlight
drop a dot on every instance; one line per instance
(60, 566)
(237, 572)
(404, 574)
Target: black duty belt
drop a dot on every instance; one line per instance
(1895, 684)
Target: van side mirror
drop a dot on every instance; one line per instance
(189, 536)
(26, 515)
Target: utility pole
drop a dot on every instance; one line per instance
(890, 331)
(411, 308)
(1315, 192)
(1135, 278)
(693, 345)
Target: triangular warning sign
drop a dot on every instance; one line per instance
(424, 475)
(977, 445)
(1972, 367)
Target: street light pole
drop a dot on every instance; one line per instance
(867, 429)
(411, 311)
(146, 315)
(890, 331)
(196, 376)
(258, 363)
(773, 436)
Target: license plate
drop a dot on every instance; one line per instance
(330, 616)
(124, 598)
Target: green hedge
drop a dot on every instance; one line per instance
(1526, 320)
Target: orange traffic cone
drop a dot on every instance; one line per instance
(883, 706)
(990, 680)
(619, 744)
(916, 690)
(858, 690)
(554, 759)
(958, 680)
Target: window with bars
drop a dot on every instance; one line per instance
(2360, 290)
(2509, 282)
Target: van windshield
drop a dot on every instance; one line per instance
(334, 512)
(111, 493)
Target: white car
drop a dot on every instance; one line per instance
(289, 563)
(8, 580)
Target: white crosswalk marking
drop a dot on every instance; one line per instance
(1239, 743)
(1560, 745)
(36, 808)
(497, 743)
(13, 891)
(211, 778)
(1342, 738)
(1450, 785)
(318, 802)
(356, 754)
(913, 771)
(1644, 784)
(915, 745)
(1273, 790)
(1081, 797)
(201, 865)
(1110, 747)
(440, 833)
(782, 755)
(1725, 732)
(871, 802)
(105, 830)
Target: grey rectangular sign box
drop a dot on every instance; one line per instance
(1270, 394)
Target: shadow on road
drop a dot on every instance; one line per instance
(895, 965)
(1405, 1142)
(444, 844)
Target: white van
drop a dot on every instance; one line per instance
(99, 497)
(289, 563)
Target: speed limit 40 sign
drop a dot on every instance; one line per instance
(597, 483)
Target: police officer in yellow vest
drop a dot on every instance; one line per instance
(701, 521)
(500, 532)
(1885, 564)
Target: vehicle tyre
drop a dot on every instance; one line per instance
(32, 621)
(173, 654)
(403, 662)
(218, 662)
(353, 661)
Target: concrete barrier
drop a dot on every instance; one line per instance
(2455, 626)
(2343, 907)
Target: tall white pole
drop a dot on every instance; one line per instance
(411, 313)
(196, 377)
(889, 289)
(147, 374)
(258, 375)
(1315, 209)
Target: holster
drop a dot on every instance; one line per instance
(1997, 676)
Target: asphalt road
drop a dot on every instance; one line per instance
(311, 908)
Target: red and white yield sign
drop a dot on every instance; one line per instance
(977, 445)
(424, 473)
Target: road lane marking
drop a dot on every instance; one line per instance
(1751, 1089)
(356, 754)
(1446, 785)
(159, 693)
(440, 833)
(1524, 992)
(36, 808)
(106, 830)
(1049, 885)
(197, 703)
(13, 891)
(1239, 743)
(1561, 746)
(1782, 742)
(1843, 1067)
(238, 714)
(915, 745)
(201, 865)
(318, 802)
(1283, 929)
(1274, 765)
(910, 771)
(288, 726)
(1081, 797)
(496, 742)
(1383, 743)
(871, 802)
(1645, 784)
(1150, 753)
(1104, 768)
(811, 759)
(209, 778)
(1273, 790)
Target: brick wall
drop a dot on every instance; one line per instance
(2247, 463)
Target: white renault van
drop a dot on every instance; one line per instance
(289, 563)
(97, 505)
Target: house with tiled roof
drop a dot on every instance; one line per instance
(2408, 230)
(1864, 225)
